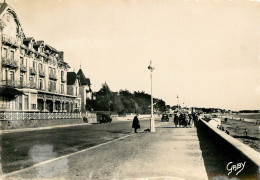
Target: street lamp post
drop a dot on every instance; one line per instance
(152, 128)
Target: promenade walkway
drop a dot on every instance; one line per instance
(170, 153)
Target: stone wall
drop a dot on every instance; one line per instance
(18, 124)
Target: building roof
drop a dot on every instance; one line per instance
(71, 78)
(39, 43)
(52, 48)
(2, 7)
(26, 40)
(82, 78)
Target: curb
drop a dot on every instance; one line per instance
(41, 128)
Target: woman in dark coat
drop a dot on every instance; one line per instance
(136, 124)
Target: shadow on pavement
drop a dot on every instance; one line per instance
(217, 153)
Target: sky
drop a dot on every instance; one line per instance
(206, 52)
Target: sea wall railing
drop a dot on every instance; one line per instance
(247, 151)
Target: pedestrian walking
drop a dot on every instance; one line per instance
(182, 120)
(176, 120)
(190, 123)
(187, 119)
(136, 123)
(195, 119)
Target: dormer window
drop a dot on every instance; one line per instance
(40, 50)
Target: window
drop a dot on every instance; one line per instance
(40, 66)
(76, 91)
(21, 79)
(33, 106)
(6, 74)
(20, 102)
(4, 103)
(31, 79)
(4, 53)
(54, 85)
(21, 60)
(50, 70)
(50, 85)
(16, 103)
(26, 102)
(62, 88)
(12, 55)
(34, 64)
(12, 76)
(40, 84)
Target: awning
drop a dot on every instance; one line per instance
(8, 91)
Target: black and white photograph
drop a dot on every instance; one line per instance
(130, 89)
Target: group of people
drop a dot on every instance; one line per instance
(182, 119)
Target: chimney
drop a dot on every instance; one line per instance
(62, 55)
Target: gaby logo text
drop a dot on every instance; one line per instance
(235, 167)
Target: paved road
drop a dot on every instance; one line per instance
(23, 149)
(170, 153)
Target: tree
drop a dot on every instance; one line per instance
(104, 98)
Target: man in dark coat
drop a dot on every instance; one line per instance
(136, 124)
(176, 120)
(195, 119)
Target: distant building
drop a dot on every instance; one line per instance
(32, 73)
(73, 89)
(84, 89)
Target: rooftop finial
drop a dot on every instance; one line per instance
(4, 1)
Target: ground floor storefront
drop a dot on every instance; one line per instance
(29, 100)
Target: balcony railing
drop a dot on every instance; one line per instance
(10, 40)
(23, 68)
(41, 73)
(52, 90)
(41, 88)
(52, 76)
(9, 62)
(10, 83)
(18, 84)
(33, 71)
(33, 85)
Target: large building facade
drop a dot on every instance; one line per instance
(33, 75)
